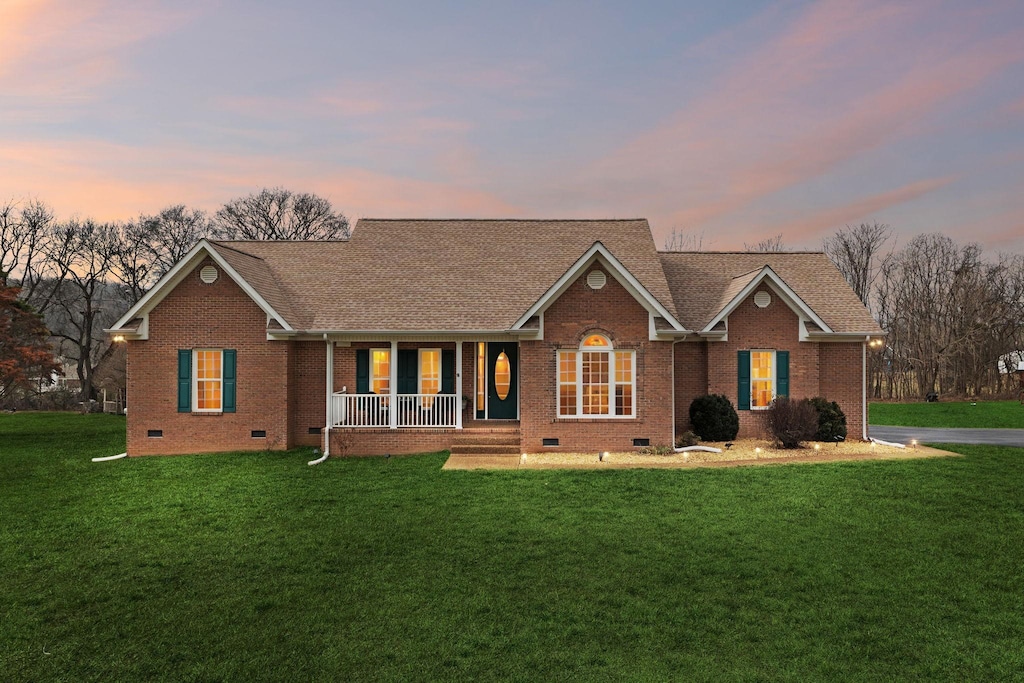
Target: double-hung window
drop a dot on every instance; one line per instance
(595, 380)
(206, 380)
(380, 371)
(763, 375)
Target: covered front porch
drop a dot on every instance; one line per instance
(426, 384)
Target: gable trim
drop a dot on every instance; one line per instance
(780, 287)
(599, 252)
(173, 278)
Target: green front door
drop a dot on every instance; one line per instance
(502, 381)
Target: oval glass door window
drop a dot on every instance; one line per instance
(502, 376)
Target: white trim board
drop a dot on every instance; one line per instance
(179, 272)
(777, 285)
(599, 253)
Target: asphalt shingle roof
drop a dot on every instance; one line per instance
(427, 275)
(703, 283)
(480, 275)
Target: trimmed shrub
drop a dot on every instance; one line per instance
(713, 418)
(791, 422)
(831, 420)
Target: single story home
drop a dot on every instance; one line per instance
(531, 335)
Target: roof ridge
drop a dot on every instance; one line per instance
(773, 253)
(502, 220)
(226, 242)
(237, 251)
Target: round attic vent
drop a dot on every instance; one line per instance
(208, 275)
(597, 279)
(762, 299)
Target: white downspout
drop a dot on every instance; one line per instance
(864, 385)
(674, 435)
(329, 413)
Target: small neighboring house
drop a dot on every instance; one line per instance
(573, 335)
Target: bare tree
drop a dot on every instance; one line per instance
(278, 214)
(84, 301)
(681, 240)
(170, 234)
(770, 244)
(856, 252)
(26, 242)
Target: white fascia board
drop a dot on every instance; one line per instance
(618, 271)
(178, 273)
(779, 287)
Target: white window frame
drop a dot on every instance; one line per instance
(610, 350)
(195, 381)
(373, 366)
(419, 369)
(774, 378)
(477, 379)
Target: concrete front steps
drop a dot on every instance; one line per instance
(496, 448)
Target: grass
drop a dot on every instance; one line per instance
(986, 414)
(257, 567)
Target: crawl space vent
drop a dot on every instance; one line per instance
(641, 442)
(208, 275)
(155, 433)
(762, 299)
(597, 279)
(550, 442)
(259, 433)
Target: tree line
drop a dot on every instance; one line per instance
(80, 275)
(953, 317)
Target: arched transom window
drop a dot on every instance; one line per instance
(595, 380)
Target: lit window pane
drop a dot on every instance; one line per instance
(502, 376)
(761, 388)
(624, 399)
(595, 340)
(481, 375)
(381, 370)
(595, 383)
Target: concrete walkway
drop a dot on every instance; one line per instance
(992, 437)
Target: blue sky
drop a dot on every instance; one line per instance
(737, 121)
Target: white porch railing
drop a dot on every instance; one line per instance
(414, 410)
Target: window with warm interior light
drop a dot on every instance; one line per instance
(430, 374)
(596, 380)
(481, 376)
(209, 380)
(762, 378)
(380, 371)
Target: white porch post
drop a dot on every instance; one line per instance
(393, 386)
(458, 385)
(330, 384)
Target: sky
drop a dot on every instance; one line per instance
(730, 121)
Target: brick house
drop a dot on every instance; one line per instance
(566, 335)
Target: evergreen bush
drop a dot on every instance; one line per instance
(831, 420)
(713, 418)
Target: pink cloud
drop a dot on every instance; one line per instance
(116, 182)
(778, 120)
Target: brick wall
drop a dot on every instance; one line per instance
(308, 387)
(774, 327)
(611, 311)
(841, 378)
(197, 315)
(691, 372)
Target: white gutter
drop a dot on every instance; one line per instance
(111, 457)
(329, 409)
(864, 385)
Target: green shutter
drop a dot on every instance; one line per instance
(448, 371)
(230, 380)
(743, 385)
(184, 380)
(408, 378)
(362, 371)
(782, 373)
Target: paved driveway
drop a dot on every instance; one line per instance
(993, 437)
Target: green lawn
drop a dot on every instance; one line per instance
(257, 567)
(986, 414)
